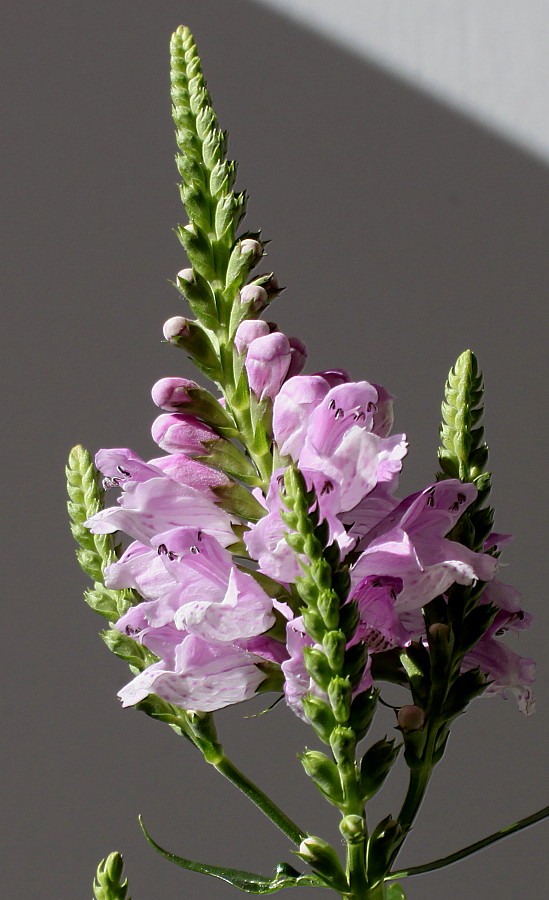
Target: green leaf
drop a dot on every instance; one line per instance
(286, 876)
(108, 884)
(395, 892)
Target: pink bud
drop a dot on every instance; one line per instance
(248, 331)
(175, 327)
(410, 718)
(299, 357)
(248, 245)
(267, 363)
(171, 393)
(178, 433)
(256, 295)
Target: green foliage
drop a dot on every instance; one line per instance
(462, 453)
(213, 208)
(285, 876)
(108, 884)
(96, 551)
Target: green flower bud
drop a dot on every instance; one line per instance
(340, 693)
(322, 857)
(353, 829)
(320, 716)
(334, 644)
(375, 766)
(317, 666)
(324, 772)
(362, 712)
(343, 743)
(314, 624)
(108, 884)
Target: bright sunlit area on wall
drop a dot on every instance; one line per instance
(487, 59)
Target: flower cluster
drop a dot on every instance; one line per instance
(219, 613)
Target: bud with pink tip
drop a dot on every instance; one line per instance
(267, 363)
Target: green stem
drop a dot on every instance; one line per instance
(472, 848)
(261, 800)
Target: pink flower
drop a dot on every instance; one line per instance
(151, 502)
(267, 362)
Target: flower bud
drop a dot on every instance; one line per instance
(410, 718)
(342, 742)
(254, 295)
(187, 275)
(322, 857)
(175, 327)
(172, 393)
(176, 433)
(267, 363)
(339, 693)
(248, 331)
(248, 245)
(270, 283)
(324, 773)
(353, 829)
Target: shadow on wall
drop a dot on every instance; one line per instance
(404, 232)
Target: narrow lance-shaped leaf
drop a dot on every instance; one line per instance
(286, 876)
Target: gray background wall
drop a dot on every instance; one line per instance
(405, 231)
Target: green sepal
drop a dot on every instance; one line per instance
(323, 859)
(157, 708)
(221, 454)
(206, 407)
(314, 624)
(334, 644)
(285, 875)
(465, 688)
(136, 655)
(349, 618)
(355, 662)
(239, 266)
(417, 663)
(238, 501)
(324, 773)
(343, 743)
(108, 884)
(340, 695)
(375, 765)
(385, 837)
(201, 299)
(198, 248)
(362, 711)
(474, 625)
(395, 892)
(317, 666)
(197, 342)
(320, 716)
